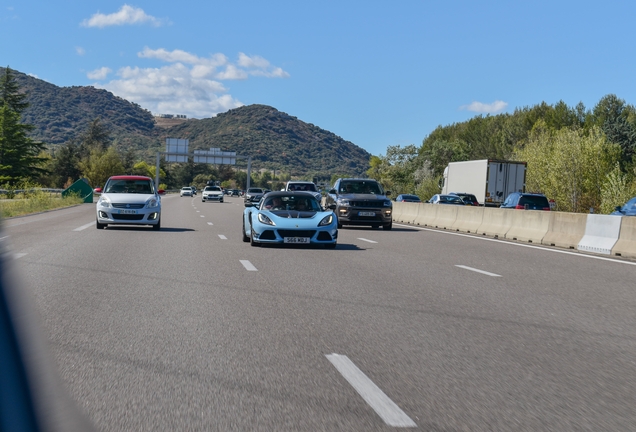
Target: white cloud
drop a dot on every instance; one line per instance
(482, 108)
(80, 51)
(188, 84)
(126, 15)
(99, 74)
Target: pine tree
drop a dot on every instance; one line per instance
(19, 154)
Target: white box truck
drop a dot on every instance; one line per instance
(491, 181)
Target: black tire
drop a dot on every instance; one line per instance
(157, 226)
(245, 238)
(339, 225)
(388, 226)
(99, 226)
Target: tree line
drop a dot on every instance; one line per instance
(582, 158)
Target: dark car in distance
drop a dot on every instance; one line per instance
(408, 198)
(526, 201)
(360, 201)
(467, 198)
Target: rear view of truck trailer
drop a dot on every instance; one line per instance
(491, 181)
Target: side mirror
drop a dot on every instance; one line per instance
(249, 204)
(97, 190)
(617, 208)
(332, 206)
(387, 193)
(161, 191)
(332, 191)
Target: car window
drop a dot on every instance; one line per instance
(534, 201)
(360, 187)
(130, 186)
(291, 202)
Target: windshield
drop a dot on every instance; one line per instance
(130, 186)
(308, 187)
(291, 202)
(360, 187)
(212, 188)
(254, 190)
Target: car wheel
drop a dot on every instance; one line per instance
(245, 238)
(388, 226)
(375, 226)
(339, 225)
(330, 246)
(99, 225)
(157, 226)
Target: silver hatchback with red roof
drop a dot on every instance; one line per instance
(129, 200)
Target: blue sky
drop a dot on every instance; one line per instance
(376, 73)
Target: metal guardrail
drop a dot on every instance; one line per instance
(19, 191)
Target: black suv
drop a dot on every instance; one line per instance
(526, 201)
(361, 202)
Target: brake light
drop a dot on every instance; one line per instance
(520, 207)
(546, 208)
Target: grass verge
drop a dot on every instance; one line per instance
(35, 202)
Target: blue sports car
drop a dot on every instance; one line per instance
(289, 218)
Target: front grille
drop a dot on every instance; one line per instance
(324, 236)
(267, 235)
(367, 204)
(127, 217)
(130, 206)
(296, 233)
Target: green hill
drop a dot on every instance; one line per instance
(274, 139)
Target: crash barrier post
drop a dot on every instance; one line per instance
(425, 214)
(529, 226)
(496, 222)
(601, 233)
(82, 189)
(566, 230)
(469, 219)
(626, 244)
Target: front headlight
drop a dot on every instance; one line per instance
(326, 220)
(103, 202)
(343, 202)
(265, 220)
(152, 203)
(387, 203)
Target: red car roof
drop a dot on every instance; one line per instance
(129, 177)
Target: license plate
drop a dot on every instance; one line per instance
(124, 211)
(366, 214)
(296, 240)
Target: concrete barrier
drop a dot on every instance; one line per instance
(626, 244)
(398, 209)
(445, 217)
(496, 222)
(529, 225)
(468, 219)
(426, 214)
(566, 230)
(601, 233)
(409, 214)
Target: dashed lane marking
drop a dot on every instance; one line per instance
(478, 271)
(248, 265)
(366, 240)
(83, 227)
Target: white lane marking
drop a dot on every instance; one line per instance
(371, 393)
(366, 240)
(202, 215)
(477, 270)
(83, 227)
(579, 254)
(198, 211)
(18, 255)
(222, 237)
(248, 265)
(210, 223)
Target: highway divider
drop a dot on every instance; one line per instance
(529, 226)
(601, 233)
(469, 219)
(496, 222)
(626, 244)
(445, 215)
(566, 230)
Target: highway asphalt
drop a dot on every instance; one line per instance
(189, 328)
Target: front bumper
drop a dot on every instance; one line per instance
(212, 198)
(364, 215)
(144, 216)
(276, 235)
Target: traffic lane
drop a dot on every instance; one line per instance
(568, 354)
(124, 327)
